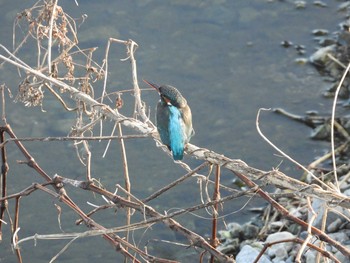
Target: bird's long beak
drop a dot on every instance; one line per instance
(155, 86)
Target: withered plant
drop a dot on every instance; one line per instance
(71, 75)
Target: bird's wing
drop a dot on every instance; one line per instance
(187, 119)
(162, 122)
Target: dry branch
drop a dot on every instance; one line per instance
(274, 177)
(195, 239)
(97, 111)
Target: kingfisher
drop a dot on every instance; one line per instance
(173, 119)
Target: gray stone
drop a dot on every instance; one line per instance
(310, 256)
(334, 226)
(279, 250)
(342, 258)
(341, 237)
(320, 56)
(300, 4)
(230, 246)
(249, 254)
(224, 234)
(250, 231)
(235, 230)
(347, 192)
(319, 206)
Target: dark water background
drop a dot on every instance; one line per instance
(224, 56)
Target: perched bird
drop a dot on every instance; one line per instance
(173, 119)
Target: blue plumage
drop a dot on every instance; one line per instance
(176, 134)
(174, 119)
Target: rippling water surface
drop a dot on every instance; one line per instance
(225, 57)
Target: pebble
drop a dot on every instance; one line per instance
(320, 3)
(224, 234)
(341, 257)
(334, 226)
(320, 56)
(310, 256)
(228, 248)
(341, 237)
(286, 43)
(249, 254)
(301, 61)
(347, 192)
(344, 6)
(279, 250)
(325, 41)
(300, 49)
(320, 32)
(240, 241)
(300, 4)
(235, 230)
(318, 206)
(321, 132)
(250, 231)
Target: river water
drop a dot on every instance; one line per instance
(225, 57)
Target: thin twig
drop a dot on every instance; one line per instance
(297, 240)
(176, 182)
(309, 234)
(73, 138)
(16, 226)
(63, 249)
(285, 213)
(283, 153)
(216, 197)
(88, 161)
(194, 238)
(3, 182)
(59, 98)
(328, 155)
(126, 179)
(49, 44)
(204, 154)
(329, 55)
(3, 109)
(332, 125)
